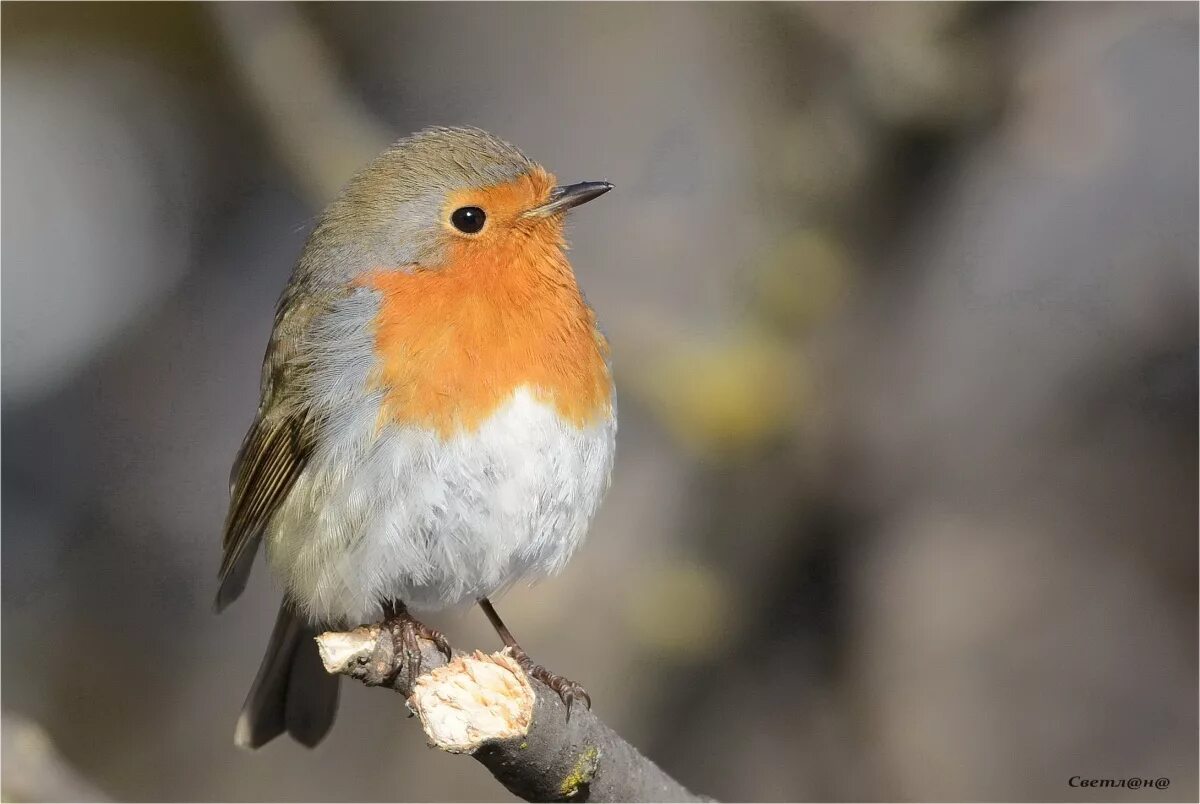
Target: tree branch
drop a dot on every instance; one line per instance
(486, 706)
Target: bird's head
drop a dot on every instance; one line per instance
(448, 197)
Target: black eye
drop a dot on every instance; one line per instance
(468, 219)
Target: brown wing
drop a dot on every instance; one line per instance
(272, 457)
(279, 443)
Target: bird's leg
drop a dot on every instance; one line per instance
(406, 631)
(567, 689)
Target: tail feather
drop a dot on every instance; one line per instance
(292, 692)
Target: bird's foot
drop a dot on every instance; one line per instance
(567, 690)
(406, 632)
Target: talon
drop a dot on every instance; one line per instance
(406, 632)
(443, 644)
(568, 690)
(568, 699)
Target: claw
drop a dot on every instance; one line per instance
(568, 690)
(439, 640)
(406, 632)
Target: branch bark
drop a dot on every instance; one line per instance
(486, 706)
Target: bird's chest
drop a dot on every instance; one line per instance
(437, 521)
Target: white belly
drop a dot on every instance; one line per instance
(409, 516)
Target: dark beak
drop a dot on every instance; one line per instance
(569, 195)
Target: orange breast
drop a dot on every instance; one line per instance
(456, 342)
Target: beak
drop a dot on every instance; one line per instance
(568, 196)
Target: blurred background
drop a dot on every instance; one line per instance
(903, 304)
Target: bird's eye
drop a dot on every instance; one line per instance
(468, 219)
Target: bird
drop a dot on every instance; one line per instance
(437, 415)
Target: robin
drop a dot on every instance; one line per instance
(437, 415)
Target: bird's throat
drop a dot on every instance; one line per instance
(454, 344)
